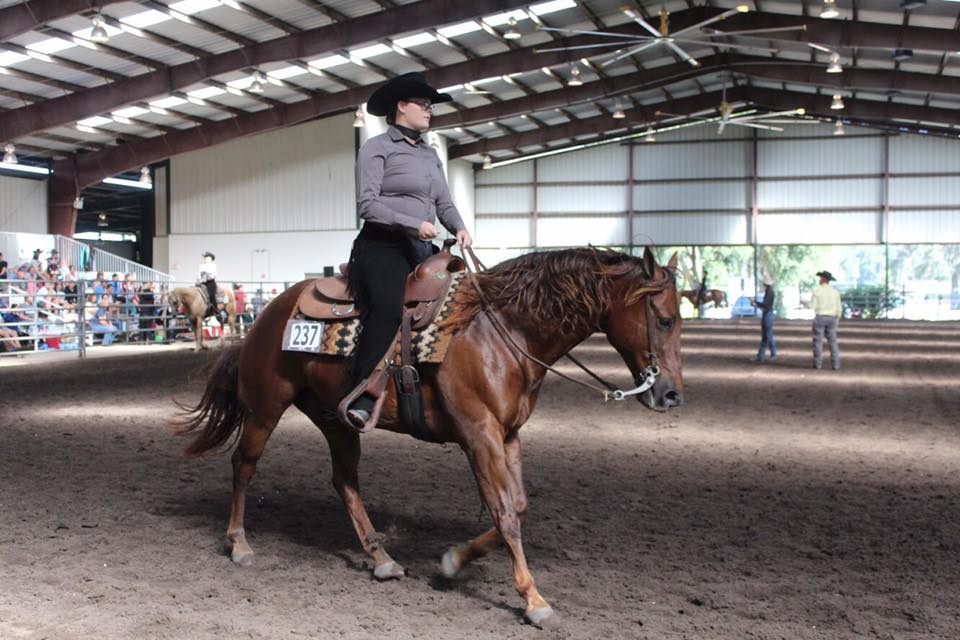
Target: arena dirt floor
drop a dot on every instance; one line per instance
(778, 502)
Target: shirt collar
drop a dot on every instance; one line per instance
(397, 136)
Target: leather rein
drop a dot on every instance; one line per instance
(609, 391)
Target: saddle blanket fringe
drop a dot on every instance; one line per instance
(429, 345)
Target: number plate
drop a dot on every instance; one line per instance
(302, 335)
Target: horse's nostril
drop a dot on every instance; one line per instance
(673, 397)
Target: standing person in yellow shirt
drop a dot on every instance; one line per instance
(827, 310)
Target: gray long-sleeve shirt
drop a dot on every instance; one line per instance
(400, 185)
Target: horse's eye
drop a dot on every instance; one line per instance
(665, 323)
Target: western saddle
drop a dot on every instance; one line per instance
(328, 299)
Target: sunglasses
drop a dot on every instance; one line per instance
(423, 103)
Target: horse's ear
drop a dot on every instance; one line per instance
(672, 265)
(649, 263)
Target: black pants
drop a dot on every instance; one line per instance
(211, 286)
(379, 264)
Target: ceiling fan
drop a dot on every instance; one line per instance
(628, 45)
(746, 118)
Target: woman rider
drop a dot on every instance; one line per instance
(401, 191)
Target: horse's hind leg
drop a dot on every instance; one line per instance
(345, 455)
(253, 439)
(456, 558)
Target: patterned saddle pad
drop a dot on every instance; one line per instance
(429, 345)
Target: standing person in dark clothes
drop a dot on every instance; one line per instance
(766, 320)
(401, 192)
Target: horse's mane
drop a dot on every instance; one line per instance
(569, 287)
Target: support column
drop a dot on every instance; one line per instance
(630, 200)
(754, 215)
(62, 192)
(535, 217)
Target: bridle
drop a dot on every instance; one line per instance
(649, 374)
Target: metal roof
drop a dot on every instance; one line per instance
(53, 78)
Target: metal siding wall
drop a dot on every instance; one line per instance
(718, 160)
(570, 232)
(460, 178)
(585, 199)
(295, 179)
(802, 194)
(680, 196)
(924, 191)
(23, 205)
(519, 173)
(504, 232)
(925, 226)
(690, 228)
(818, 228)
(517, 199)
(608, 162)
(916, 154)
(835, 155)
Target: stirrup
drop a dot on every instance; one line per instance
(344, 408)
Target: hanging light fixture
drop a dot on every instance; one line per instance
(10, 154)
(102, 220)
(512, 33)
(648, 136)
(835, 66)
(487, 161)
(358, 118)
(574, 80)
(99, 33)
(837, 102)
(618, 113)
(257, 85)
(829, 9)
(838, 128)
(145, 176)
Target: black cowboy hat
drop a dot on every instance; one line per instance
(409, 85)
(825, 274)
(207, 253)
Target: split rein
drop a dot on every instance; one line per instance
(608, 391)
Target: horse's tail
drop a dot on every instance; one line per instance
(219, 413)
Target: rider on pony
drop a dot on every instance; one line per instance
(207, 276)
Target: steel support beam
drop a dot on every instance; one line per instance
(598, 124)
(756, 67)
(410, 17)
(27, 16)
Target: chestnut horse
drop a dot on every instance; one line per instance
(717, 297)
(545, 303)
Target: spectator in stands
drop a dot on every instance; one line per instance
(147, 311)
(35, 261)
(53, 263)
(240, 297)
(40, 295)
(9, 340)
(99, 319)
(70, 274)
(3, 268)
(115, 282)
(70, 292)
(98, 289)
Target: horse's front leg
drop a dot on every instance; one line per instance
(488, 457)
(345, 456)
(198, 333)
(456, 558)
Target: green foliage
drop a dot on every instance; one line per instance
(870, 301)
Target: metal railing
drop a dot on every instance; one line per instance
(86, 258)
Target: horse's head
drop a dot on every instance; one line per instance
(643, 325)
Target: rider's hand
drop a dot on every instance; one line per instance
(427, 231)
(463, 238)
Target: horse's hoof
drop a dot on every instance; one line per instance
(450, 565)
(388, 571)
(542, 617)
(242, 558)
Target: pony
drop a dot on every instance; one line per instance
(508, 323)
(192, 301)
